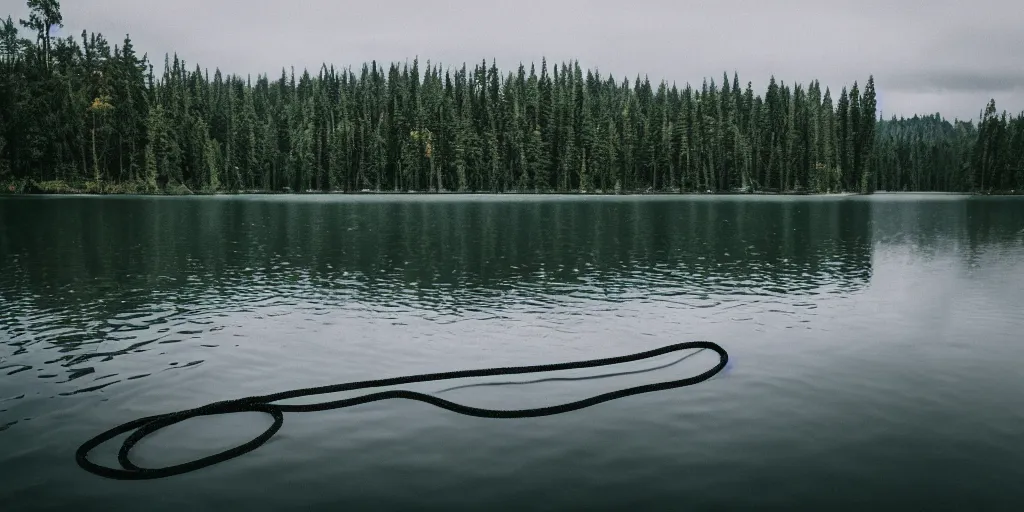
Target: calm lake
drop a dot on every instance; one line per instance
(876, 346)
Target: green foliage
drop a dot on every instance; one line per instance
(85, 115)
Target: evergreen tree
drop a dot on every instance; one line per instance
(866, 143)
(84, 114)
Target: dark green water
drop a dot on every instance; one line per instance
(877, 347)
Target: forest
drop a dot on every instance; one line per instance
(83, 115)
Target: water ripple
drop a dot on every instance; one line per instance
(166, 308)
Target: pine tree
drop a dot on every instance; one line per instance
(84, 114)
(867, 135)
(844, 137)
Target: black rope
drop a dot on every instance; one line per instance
(143, 427)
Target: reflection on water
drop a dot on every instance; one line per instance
(855, 324)
(97, 280)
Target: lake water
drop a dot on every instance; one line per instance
(876, 345)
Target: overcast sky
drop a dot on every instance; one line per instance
(947, 56)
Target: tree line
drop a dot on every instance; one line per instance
(80, 114)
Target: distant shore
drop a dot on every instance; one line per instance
(24, 188)
(55, 188)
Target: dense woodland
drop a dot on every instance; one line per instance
(82, 114)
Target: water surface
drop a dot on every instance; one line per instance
(875, 345)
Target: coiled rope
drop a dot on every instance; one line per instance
(143, 427)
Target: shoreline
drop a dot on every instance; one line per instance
(510, 194)
(418, 193)
(32, 188)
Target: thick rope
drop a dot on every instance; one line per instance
(143, 427)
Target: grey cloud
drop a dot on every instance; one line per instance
(1000, 81)
(926, 55)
